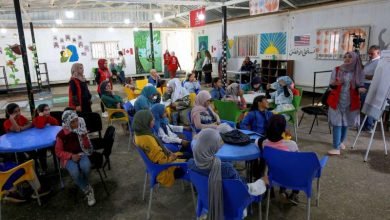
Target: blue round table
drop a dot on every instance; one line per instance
(28, 140)
(230, 152)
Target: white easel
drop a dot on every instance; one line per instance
(384, 104)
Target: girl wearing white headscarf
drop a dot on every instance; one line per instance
(73, 147)
(180, 101)
(206, 163)
(202, 116)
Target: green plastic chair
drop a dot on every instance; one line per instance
(294, 114)
(228, 110)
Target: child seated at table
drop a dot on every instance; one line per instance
(167, 132)
(283, 95)
(258, 116)
(206, 163)
(202, 115)
(235, 93)
(154, 149)
(73, 148)
(15, 121)
(147, 98)
(276, 130)
(254, 86)
(41, 119)
(217, 92)
(191, 84)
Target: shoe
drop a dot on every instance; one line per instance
(104, 114)
(14, 197)
(342, 146)
(293, 198)
(334, 152)
(90, 196)
(41, 192)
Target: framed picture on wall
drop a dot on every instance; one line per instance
(333, 43)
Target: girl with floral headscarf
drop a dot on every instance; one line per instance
(346, 83)
(202, 115)
(180, 101)
(73, 147)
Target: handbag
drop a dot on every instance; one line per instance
(236, 137)
(207, 67)
(325, 96)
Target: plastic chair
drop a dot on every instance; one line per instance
(192, 99)
(29, 175)
(235, 195)
(106, 144)
(228, 110)
(293, 114)
(2, 120)
(93, 121)
(294, 170)
(141, 83)
(130, 93)
(57, 115)
(152, 170)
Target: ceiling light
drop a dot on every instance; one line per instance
(201, 16)
(110, 29)
(58, 21)
(158, 18)
(127, 21)
(69, 14)
(54, 30)
(3, 30)
(136, 29)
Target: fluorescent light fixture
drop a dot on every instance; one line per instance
(111, 29)
(201, 16)
(69, 14)
(136, 29)
(58, 21)
(54, 30)
(3, 30)
(158, 17)
(127, 21)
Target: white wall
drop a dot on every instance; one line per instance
(374, 13)
(179, 41)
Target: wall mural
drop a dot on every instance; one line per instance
(203, 43)
(143, 58)
(70, 47)
(273, 43)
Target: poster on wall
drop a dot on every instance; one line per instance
(203, 43)
(68, 47)
(197, 17)
(273, 43)
(263, 6)
(143, 58)
(333, 43)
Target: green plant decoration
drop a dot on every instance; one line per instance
(11, 64)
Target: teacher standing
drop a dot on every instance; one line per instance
(344, 100)
(207, 68)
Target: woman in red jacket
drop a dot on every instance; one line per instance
(173, 64)
(103, 74)
(167, 56)
(79, 95)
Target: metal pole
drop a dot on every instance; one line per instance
(26, 68)
(224, 46)
(36, 63)
(151, 44)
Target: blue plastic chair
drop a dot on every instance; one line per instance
(128, 106)
(235, 195)
(152, 170)
(294, 170)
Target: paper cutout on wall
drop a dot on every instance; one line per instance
(54, 38)
(56, 45)
(61, 40)
(79, 37)
(81, 44)
(83, 54)
(86, 48)
(131, 51)
(273, 43)
(1, 50)
(67, 37)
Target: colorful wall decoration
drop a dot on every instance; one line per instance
(273, 43)
(69, 46)
(333, 43)
(203, 43)
(263, 6)
(143, 58)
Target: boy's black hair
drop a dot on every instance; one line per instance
(257, 99)
(10, 109)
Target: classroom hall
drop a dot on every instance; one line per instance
(194, 109)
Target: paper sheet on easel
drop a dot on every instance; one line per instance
(379, 90)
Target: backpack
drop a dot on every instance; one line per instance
(236, 137)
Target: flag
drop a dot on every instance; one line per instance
(302, 40)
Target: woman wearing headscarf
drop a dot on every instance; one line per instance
(154, 149)
(254, 86)
(180, 101)
(206, 163)
(109, 98)
(146, 99)
(346, 83)
(165, 131)
(103, 74)
(202, 116)
(73, 147)
(283, 95)
(235, 93)
(79, 95)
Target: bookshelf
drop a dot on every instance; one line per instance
(272, 69)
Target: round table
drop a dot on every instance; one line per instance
(230, 152)
(28, 140)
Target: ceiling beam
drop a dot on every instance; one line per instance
(289, 3)
(162, 2)
(236, 7)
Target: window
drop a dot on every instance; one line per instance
(105, 50)
(245, 46)
(333, 43)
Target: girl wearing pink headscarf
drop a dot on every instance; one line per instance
(202, 115)
(344, 99)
